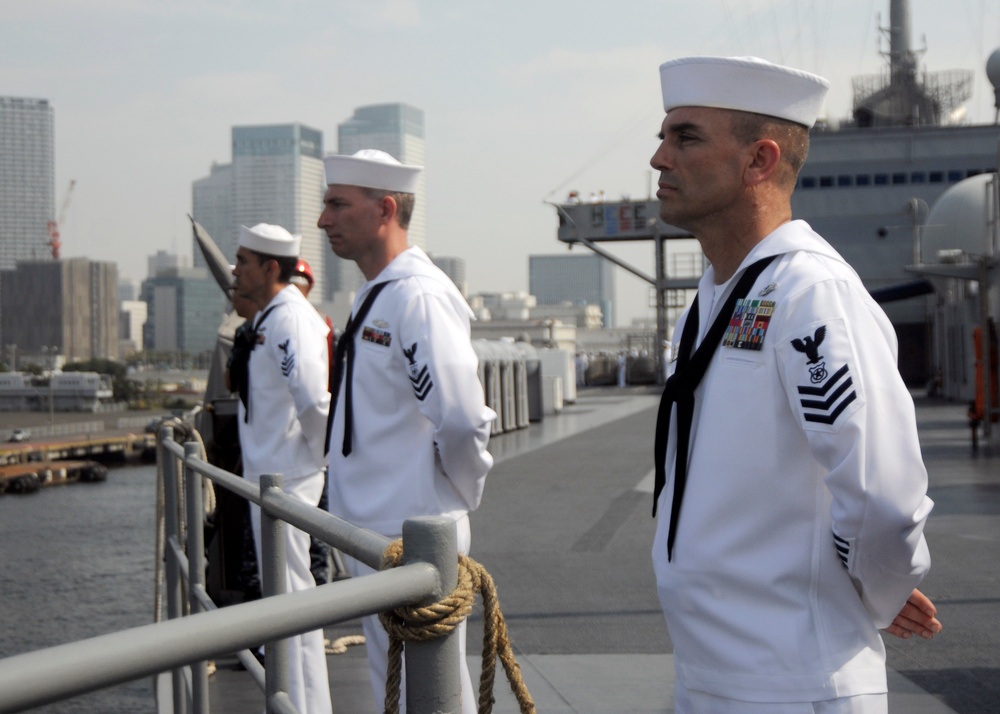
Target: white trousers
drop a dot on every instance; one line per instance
(309, 680)
(377, 639)
(689, 701)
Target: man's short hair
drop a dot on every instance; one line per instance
(791, 138)
(405, 203)
(286, 264)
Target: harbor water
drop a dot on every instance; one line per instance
(77, 561)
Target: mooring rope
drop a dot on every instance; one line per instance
(419, 624)
(340, 645)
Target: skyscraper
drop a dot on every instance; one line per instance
(276, 176)
(578, 279)
(398, 130)
(454, 268)
(27, 179)
(69, 307)
(184, 306)
(212, 207)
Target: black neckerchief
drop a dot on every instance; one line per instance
(680, 388)
(345, 352)
(244, 342)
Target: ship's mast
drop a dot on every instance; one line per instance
(902, 60)
(905, 96)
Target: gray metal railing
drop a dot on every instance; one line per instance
(183, 644)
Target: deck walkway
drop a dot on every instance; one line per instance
(565, 531)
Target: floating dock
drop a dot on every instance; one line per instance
(33, 475)
(28, 466)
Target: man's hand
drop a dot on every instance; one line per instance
(916, 617)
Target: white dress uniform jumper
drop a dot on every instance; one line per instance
(412, 440)
(799, 530)
(282, 431)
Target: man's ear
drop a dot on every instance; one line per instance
(764, 162)
(389, 208)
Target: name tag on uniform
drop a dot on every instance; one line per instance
(748, 324)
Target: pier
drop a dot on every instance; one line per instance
(113, 437)
(87, 446)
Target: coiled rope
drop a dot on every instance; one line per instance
(419, 624)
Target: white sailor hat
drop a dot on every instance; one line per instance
(371, 168)
(747, 84)
(270, 240)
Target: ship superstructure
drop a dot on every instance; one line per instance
(867, 187)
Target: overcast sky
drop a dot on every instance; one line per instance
(523, 101)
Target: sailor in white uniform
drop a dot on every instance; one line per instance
(790, 490)
(282, 418)
(409, 423)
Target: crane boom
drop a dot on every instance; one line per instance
(54, 243)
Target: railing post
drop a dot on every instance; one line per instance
(274, 581)
(432, 667)
(172, 528)
(196, 571)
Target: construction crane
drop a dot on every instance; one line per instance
(54, 243)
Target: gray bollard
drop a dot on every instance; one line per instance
(433, 685)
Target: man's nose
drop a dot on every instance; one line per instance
(658, 159)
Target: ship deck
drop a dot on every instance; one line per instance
(565, 531)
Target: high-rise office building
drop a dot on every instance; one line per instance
(398, 130)
(454, 268)
(27, 179)
(578, 279)
(212, 207)
(184, 307)
(133, 319)
(67, 307)
(128, 289)
(162, 261)
(276, 176)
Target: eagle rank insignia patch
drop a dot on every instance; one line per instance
(288, 360)
(420, 378)
(821, 363)
(748, 325)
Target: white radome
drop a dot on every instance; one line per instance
(958, 221)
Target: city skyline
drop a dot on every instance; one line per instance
(144, 95)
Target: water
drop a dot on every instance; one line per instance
(77, 561)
